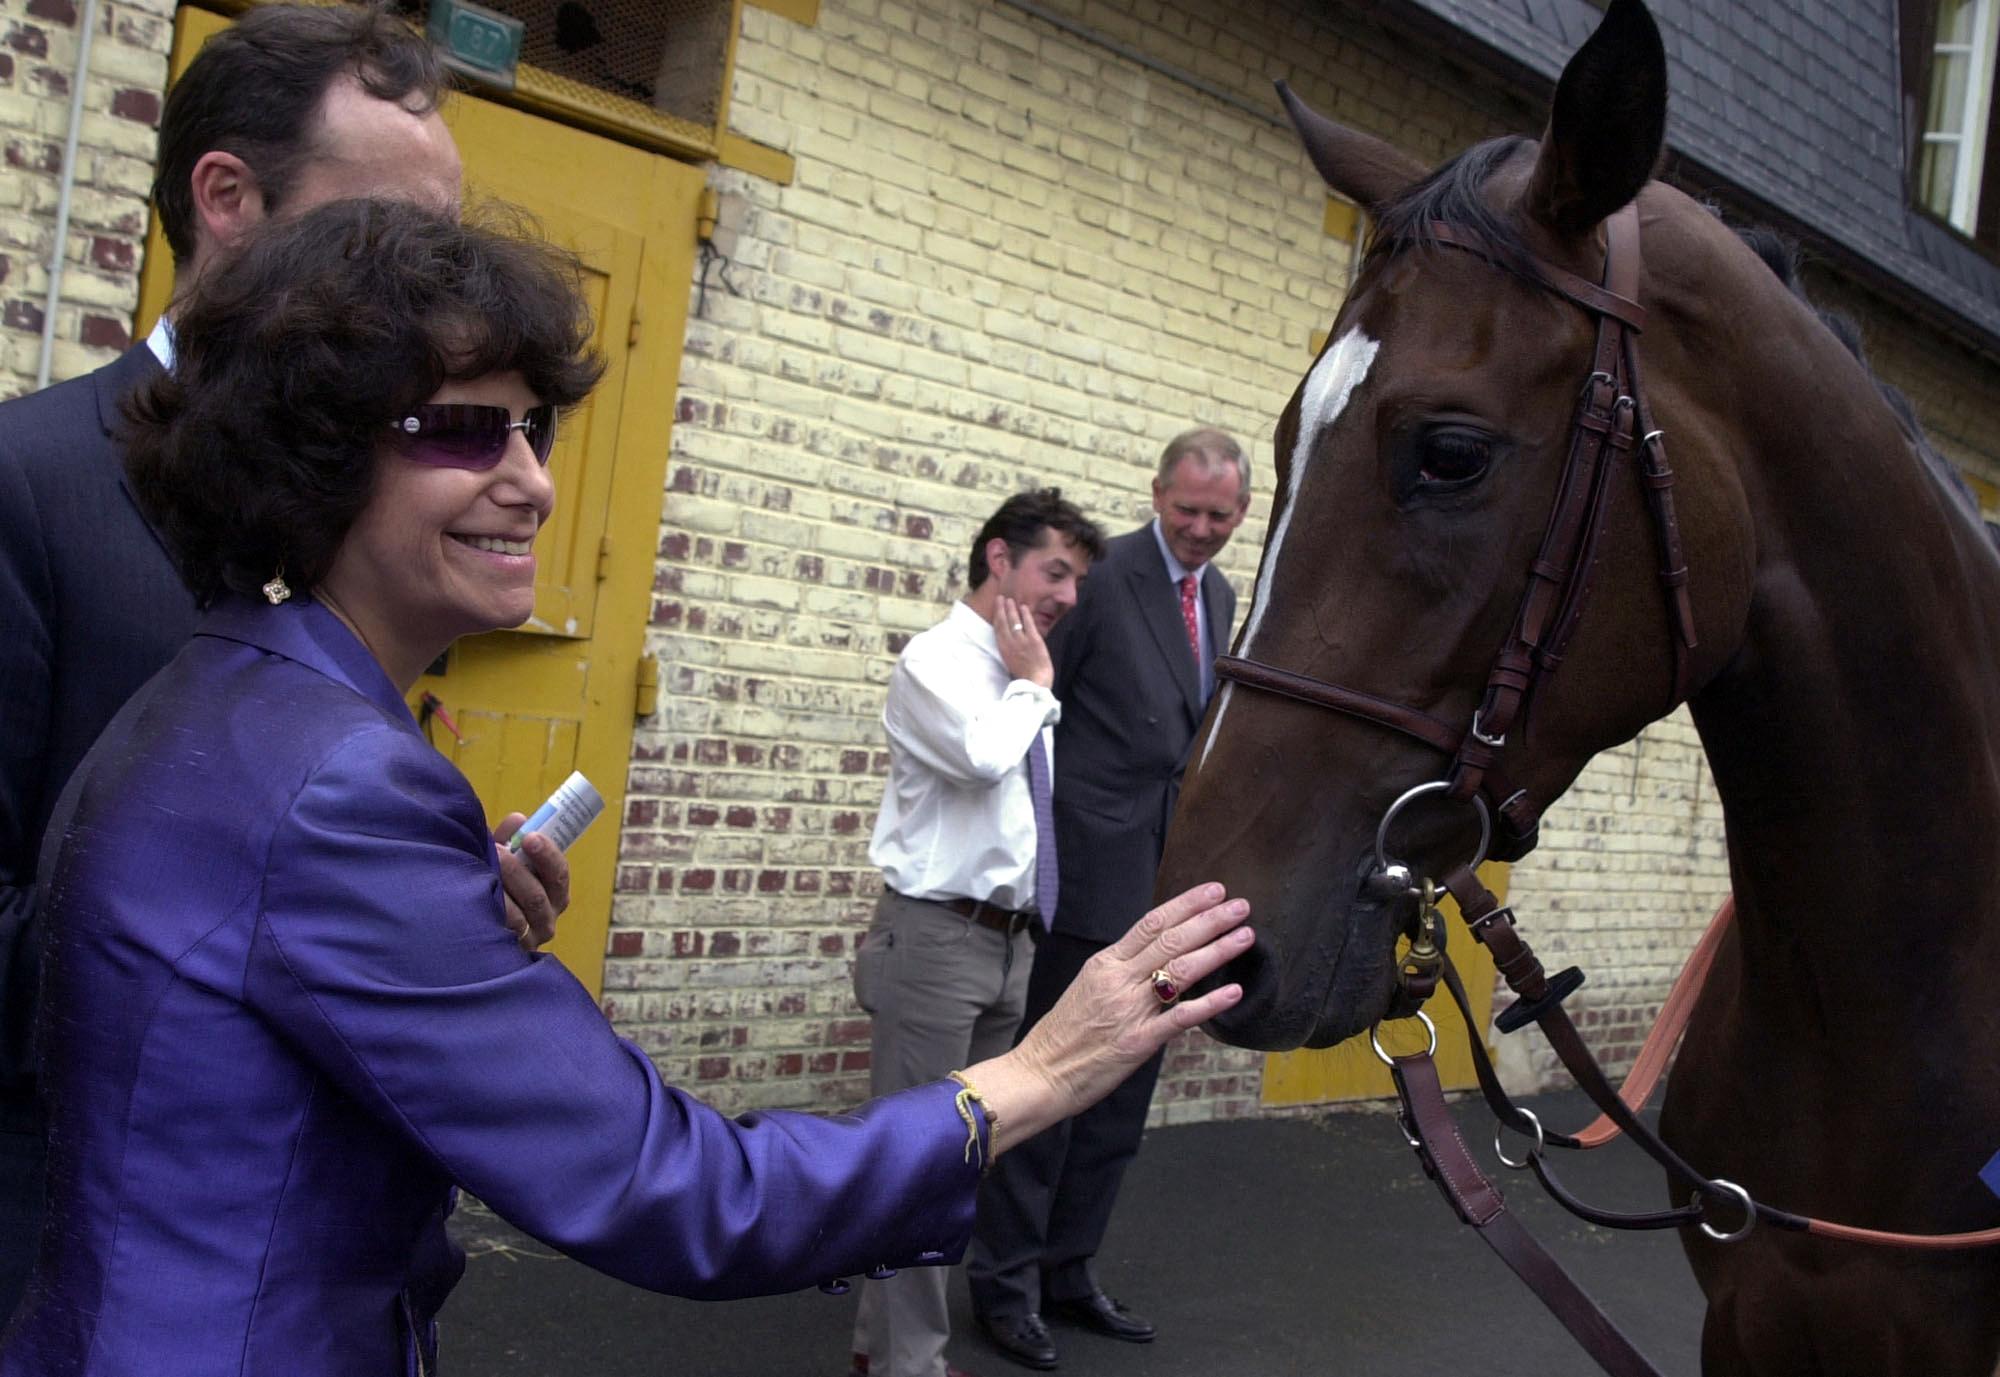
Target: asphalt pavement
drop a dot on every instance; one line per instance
(1261, 1248)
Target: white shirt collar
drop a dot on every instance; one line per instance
(1175, 568)
(973, 627)
(161, 342)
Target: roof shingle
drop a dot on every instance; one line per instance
(1795, 104)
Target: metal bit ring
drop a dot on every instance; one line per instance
(1531, 1154)
(1387, 1060)
(1410, 796)
(1742, 1198)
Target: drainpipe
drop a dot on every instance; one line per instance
(58, 252)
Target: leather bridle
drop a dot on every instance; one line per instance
(1611, 424)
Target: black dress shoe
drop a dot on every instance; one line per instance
(1099, 1312)
(1024, 1338)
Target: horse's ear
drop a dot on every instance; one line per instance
(1606, 126)
(1366, 170)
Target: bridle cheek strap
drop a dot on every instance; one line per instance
(1611, 424)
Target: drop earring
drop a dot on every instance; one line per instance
(277, 590)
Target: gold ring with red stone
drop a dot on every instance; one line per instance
(1165, 986)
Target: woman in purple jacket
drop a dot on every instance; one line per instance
(283, 1016)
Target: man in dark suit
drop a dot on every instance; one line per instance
(1134, 670)
(293, 107)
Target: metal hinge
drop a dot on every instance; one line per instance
(603, 558)
(632, 328)
(646, 701)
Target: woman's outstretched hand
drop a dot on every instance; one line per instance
(1116, 1013)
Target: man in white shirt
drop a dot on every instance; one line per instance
(966, 844)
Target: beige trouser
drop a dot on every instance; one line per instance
(944, 993)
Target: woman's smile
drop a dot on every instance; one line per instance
(496, 545)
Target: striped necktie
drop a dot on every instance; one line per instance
(1045, 831)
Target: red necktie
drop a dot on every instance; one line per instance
(1188, 616)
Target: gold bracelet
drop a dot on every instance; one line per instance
(963, 1101)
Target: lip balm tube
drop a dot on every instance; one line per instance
(572, 807)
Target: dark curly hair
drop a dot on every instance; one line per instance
(295, 353)
(1020, 521)
(256, 88)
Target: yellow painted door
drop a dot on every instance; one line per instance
(1986, 494)
(560, 693)
(1351, 1070)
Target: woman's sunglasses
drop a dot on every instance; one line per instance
(460, 435)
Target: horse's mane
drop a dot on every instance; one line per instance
(1780, 253)
(1453, 194)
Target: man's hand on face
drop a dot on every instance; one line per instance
(1022, 648)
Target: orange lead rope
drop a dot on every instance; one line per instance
(1644, 1077)
(1651, 1064)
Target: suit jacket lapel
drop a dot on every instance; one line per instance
(114, 382)
(1160, 608)
(136, 365)
(1218, 603)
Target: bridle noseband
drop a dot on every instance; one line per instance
(1611, 423)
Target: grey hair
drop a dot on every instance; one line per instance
(1212, 447)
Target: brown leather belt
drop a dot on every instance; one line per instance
(1007, 920)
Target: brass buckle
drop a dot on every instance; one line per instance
(1418, 970)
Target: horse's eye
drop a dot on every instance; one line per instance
(1449, 458)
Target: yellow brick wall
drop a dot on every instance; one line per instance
(107, 225)
(1631, 867)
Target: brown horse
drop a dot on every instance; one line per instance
(1845, 679)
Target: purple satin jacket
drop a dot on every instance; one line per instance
(282, 1017)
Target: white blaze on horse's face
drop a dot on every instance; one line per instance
(1328, 387)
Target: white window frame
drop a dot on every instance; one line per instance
(1970, 137)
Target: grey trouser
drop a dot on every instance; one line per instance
(944, 993)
